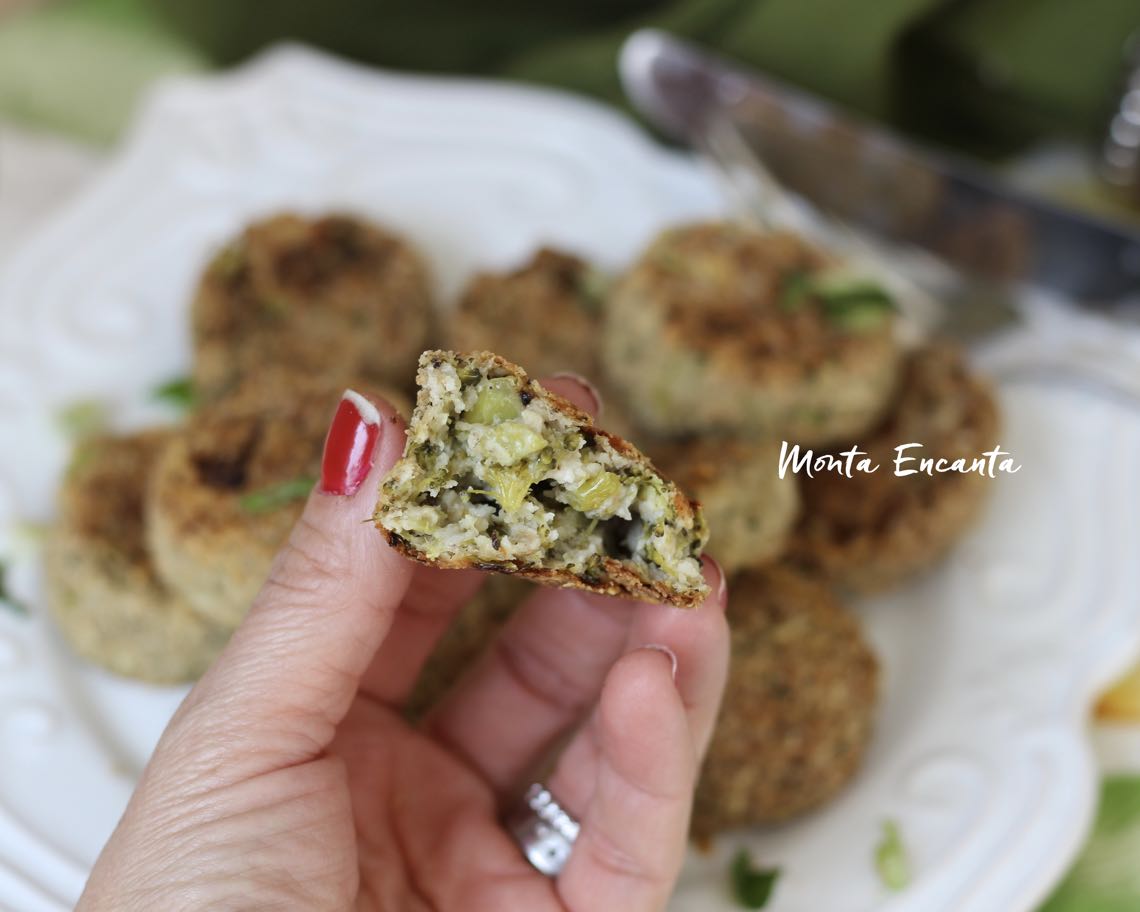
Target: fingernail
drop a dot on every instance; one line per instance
(721, 585)
(658, 647)
(599, 406)
(350, 445)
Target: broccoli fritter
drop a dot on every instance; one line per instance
(334, 296)
(722, 328)
(499, 473)
(870, 532)
(798, 707)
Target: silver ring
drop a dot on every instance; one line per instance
(544, 831)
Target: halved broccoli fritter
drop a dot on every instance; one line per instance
(499, 473)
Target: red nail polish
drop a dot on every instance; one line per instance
(350, 445)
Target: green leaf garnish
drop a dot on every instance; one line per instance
(229, 261)
(6, 600)
(28, 534)
(752, 886)
(269, 499)
(669, 261)
(178, 392)
(852, 302)
(83, 418)
(274, 306)
(593, 287)
(891, 859)
(1104, 877)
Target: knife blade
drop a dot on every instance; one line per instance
(866, 176)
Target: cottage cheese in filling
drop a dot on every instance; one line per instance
(497, 474)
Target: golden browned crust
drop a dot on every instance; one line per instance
(541, 315)
(618, 579)
(333, 295)
(798, 708)
(719, 328)
(102, 495)
(870, 532)
(720, 286)
(724, 284)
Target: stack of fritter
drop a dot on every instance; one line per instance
(164, 537)
(717, 344)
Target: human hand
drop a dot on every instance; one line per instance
(288, 778)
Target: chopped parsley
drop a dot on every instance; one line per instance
(6, 600)
(850, 302)
(856, 305)
(269, 499)
(752, 886)
(593, 285)
(83, 418)
(891, 859)
(178, 392)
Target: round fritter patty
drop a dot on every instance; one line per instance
(332, 295)
(871, 531)
(546, 316)
(798, 707)
(749, 509)
(477, 623)
(719, 327)
(228, 488)
(102, 590)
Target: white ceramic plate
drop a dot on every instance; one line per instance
(980, 753)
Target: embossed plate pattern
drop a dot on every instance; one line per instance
(981, 753)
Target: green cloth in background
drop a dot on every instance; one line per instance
(988, 76)
(1106, 877)
(79, 69)
(1008, 71)
(1001, 73)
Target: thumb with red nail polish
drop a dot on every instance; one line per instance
(335, 586)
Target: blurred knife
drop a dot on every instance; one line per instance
(863, 175)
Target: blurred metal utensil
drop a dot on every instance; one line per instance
(1120, 159)
(931, 295)
(861, 174)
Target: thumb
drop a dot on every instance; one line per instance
(276, 694)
